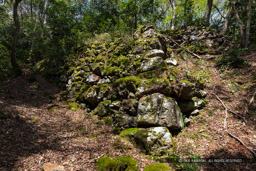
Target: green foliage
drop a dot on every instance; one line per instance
(232, 59)
(121, 163)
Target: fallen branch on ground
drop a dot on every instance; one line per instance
(192, 53)
(229, 110)
(225, 126)
(231, 135)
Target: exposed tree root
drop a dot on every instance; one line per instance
(225, 125)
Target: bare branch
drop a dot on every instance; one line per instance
(197, 56)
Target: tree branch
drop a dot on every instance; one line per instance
(254, 154)
(197, 56)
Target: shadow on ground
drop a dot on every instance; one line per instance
(225, 160)
(19, 136)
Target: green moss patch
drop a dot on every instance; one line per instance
(121, 163)
(53, 108)
(74, 106)
(129, 132)
(133, 79)
(157, 167)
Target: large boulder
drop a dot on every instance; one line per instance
(155, 141)
(158, 110)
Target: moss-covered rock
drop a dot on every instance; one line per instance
(121, 163)
(157, 167)
(155, 141)
(157, 110)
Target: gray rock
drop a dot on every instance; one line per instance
(104, 81)
(187, 121)
(157, 110)
(130, 106)
(193, 38)
(151, 63)
(209, 43)
(159, 141)
(149, 33)
(122, 120)
(191, 105)
(203, 93)
(171, 61)
(95, 95)
(155, 53)
(195, 112)
(186, 90)
(92, 78)
(136, 36)
(155, 141)
(187, 106)
(139, 48)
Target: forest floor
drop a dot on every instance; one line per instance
(36, 127)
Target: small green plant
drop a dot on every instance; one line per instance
(34, 118)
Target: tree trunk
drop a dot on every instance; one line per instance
(14, 63)
(173, 4)
(226, 21)
(248, 23)
(45, 7)
(208, 12)
(240, 24)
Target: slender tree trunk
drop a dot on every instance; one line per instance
(45, 7)
(14, 63)
(208, 12)
(173, 4)
(227, 21)
(135, 15)
(240, 24)
(248, 23)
